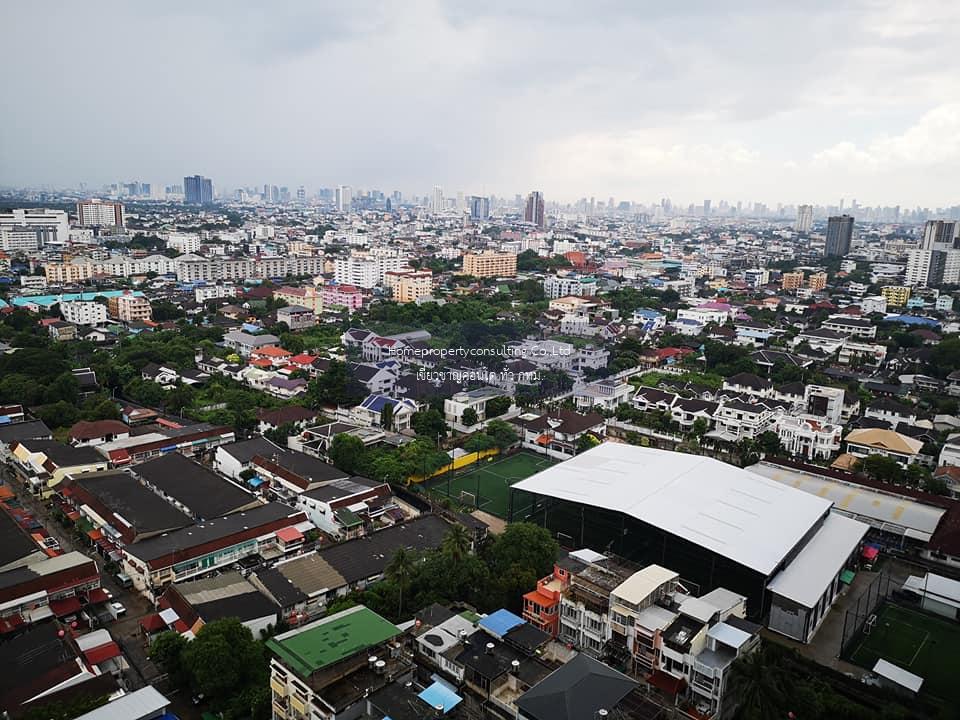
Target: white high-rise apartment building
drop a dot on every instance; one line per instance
(437, 199)
(356, 271)
(34, 227)
(940, 235)
(928, 268)
(84, 313)
(184, 242)
(97, 213)
(804, 218)
(344, 198)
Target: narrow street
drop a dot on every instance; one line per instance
(125, 630)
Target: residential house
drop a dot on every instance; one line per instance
(603, 395)
(245, 343)
(557, 432)
(476, 400)
(43, 464)
(97, 432)
(296, 317)
(862, 443)
(370, 412)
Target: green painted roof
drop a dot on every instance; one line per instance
(347, 517)
(331, 639)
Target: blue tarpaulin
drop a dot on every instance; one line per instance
(440, 694)
(501, 622)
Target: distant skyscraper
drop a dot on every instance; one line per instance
(344, 198)
(479, 208)
(839, 235)
(301, 194)
(533, 213)
(197, 190)
(437, 205)
(706, 208)
(804, 218)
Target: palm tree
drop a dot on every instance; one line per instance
(756, 687)
(399, 570)
(457, 543)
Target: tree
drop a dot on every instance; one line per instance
(757, 685)
(336, 386)
(456, 543)
(769, 443)
(347, 453)
(700, 427)
(502, 433)
(399, 571)
(59, 414)
(429, 423)
(525, 545)
(469, 417)
(224, 660)
(478, 442)
(498, 406)
(881, 467)
(936, 485)
(586, 441)
(166, 650)
(386, 416)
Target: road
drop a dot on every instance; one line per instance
(126, 630)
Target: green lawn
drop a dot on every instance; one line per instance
(490, 481)
(919, 643)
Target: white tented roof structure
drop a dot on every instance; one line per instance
(737, 514)
(146, 702)
(637, 588)
(935, 587)
(898, 675)
(891, 513)
(814, 568)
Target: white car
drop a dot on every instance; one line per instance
(117, 610)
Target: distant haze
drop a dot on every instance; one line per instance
(767, 101)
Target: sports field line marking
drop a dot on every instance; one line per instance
(914, 658)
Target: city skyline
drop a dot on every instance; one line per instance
(650, 105)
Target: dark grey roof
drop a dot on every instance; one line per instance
(338, 489)
(122, 495)
(210, 531)
(18, 432)
(244, 450)
(575, 691)
(286, 593)
(249, 606)
(14, 542)
(368, 556)
(63, 455)
(197, 488)
(306, 466)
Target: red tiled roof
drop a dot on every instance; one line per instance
(97, 596)
(102, 653)
(153, 623)
(66, 606)
(666, 682)
(289, 534)
(11, 623)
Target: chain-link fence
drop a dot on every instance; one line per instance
(875, 595)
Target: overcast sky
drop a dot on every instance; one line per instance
(794, 101)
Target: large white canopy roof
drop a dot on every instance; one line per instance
(735, 513)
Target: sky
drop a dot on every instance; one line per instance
(757, 100)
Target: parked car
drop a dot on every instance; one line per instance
(117, 610)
